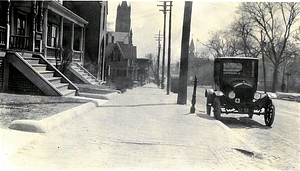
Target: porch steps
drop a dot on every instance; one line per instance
(53, 61)
(81, 73)
(41, 68)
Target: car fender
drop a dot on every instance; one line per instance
(272, 95)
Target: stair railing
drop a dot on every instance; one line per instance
(85, 70)
(59, 73)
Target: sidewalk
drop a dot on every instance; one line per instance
(288, 96)
(141, 129)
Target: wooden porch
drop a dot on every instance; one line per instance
(44, 27)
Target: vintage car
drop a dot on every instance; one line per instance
(235, 89)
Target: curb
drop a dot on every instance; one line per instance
(54, 121)
(100, 96)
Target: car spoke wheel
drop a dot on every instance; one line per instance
(250, 115)
(269, 114)
(217, 108)
(208, 107)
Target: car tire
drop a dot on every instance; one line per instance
(217, 108)
(250, 115)
(269, 113)
(208, 107)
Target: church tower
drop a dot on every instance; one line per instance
(123, 21)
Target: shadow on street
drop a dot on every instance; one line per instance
(234, 122)
(242, 122)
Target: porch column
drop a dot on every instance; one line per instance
(127, 69)
(33, 28)
(61, 36)
(103, 57)
(136, 74)
(8, 26)
(40, 25)
(81, 44)
(45, 31)
(72, 40)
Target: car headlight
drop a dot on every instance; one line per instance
(231, 95)
(257, 95)
(219, 93)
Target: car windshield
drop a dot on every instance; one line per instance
(238, 68)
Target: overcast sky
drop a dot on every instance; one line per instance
(147, 20)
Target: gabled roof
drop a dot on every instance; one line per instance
(128, 51)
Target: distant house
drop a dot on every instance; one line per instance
(38, 39)
(143, 69)
(121, 54)
(121, 61)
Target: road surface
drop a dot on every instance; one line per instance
(280, 144)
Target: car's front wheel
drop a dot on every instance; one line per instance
(250, 114)
(217, 108)
(269, 113)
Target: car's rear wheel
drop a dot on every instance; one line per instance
(217, 108)
(269, 113)
(208, 107)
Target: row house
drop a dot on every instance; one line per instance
(95, 12)
(38, 42)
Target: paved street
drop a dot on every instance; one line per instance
(141, 129)
(278, 144)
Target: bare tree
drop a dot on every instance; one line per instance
(242, 28)
(153, 65)
(276, 20)
(223, 43)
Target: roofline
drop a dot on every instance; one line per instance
(230, 57)
(66, 13)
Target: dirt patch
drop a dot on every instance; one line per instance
(33, 107)
(95, 89)
(16, 107)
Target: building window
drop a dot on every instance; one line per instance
(52, 35)
(21, 24)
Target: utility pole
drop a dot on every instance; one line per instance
(182, 86)
(158, 56)
(164, 45)
(169, 50)
(263, 58)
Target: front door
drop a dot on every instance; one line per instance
(19, 38)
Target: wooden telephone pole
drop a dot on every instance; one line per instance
(183, 74)
(169, 50)
(158, 57)
(164, 10)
